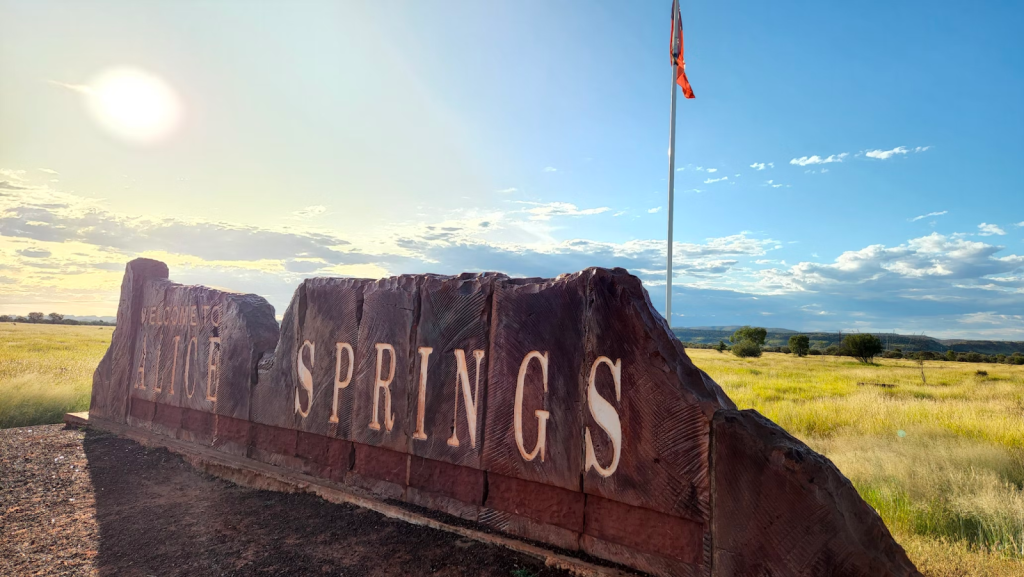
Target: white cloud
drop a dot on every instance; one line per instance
(310, 211)
(48, 171)
(772, 184)
(806, 160)
(990, 229)
(885, 154)
(923, 216)
(935, 262)
(758, 166)
(550, 169)
(654, 210)
(507, 190)
(712, 170)
(714, 180)
(545, 211)
(1020, 223)
(620, 213)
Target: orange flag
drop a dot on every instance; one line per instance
(676, 51)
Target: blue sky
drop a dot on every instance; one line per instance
(368, 139)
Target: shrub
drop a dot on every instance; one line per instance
(746, 348)
(833, 350)
(785, 350)
(893, 355)
(747, 333)
(721, 346)
(974, 357)
(814, 352)
(951, 355)
(981, 373)
(799, 344)
(863, 346)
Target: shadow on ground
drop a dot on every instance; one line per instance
(94, 504)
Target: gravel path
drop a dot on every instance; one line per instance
(90, 503)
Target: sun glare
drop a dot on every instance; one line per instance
(134, 104)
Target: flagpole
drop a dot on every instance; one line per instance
(671, 193)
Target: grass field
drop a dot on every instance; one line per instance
(46, 370)
(942, 462)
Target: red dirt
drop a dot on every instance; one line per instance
(90, 503)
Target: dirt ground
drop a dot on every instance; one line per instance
(90, 503)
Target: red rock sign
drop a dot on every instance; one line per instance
(559, 410)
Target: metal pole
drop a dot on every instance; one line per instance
(671, 194)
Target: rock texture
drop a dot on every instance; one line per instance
(560, 410)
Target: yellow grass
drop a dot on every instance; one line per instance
(942, 461)
(46, 370)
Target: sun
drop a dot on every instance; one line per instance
(134, 104)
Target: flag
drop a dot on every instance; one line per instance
(676, 50)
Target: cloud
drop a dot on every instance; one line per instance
(923, 216)
(654, 210)
(1019, 224)
(806, 160)
(34, 253)
(990, 229)
(772, 184)
(310, 211)
(886, 154)
(712, 170)
(7, 185)
(509, 190)
(936, 262)
(550, 169)
(48, 171)
(545, 211)
(713, 180)
(758, 166)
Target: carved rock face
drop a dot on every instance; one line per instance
(561, 410)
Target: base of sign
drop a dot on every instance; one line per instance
(263, 476)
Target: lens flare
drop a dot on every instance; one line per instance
(134, 104)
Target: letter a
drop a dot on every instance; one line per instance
(542, 416)
(605, 415)
(385, 385)
(305, 378)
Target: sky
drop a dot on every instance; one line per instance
(852, 166)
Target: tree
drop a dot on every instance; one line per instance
(720, 346)
(799, 344)
(950, 355)
(55, 317)
(757, 335)
(35, 317)
(746, 348)
(862, 346)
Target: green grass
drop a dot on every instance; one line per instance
(46, 371)
(942, 462)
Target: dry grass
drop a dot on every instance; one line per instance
(942, 461)
(46, 370)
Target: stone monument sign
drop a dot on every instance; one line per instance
(559, 410)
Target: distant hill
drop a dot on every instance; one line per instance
(91, 319)
(906, 343)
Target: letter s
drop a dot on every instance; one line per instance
(605, 415)
(305, 379)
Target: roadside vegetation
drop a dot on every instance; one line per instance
(937, 447)
(46, 370)
(941, 458)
